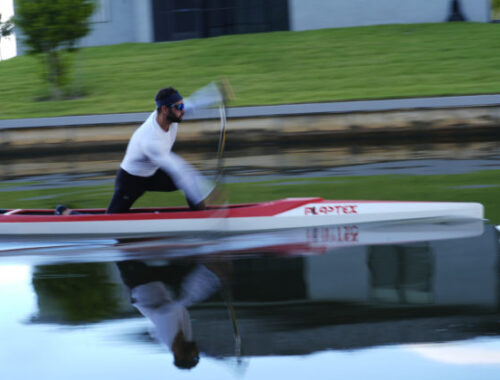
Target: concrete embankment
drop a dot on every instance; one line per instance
(438, 118)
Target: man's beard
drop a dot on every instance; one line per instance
(173, 119)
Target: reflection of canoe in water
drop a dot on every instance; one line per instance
(286, 242)
(265, 216)
(312, 240)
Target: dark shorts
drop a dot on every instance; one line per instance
(128, 188)
(135, 273)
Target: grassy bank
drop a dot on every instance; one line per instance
(270, 68)
(480, 187)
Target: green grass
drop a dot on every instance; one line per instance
(457, 187)
(271, 68)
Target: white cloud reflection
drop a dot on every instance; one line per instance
(478, 351)
(14, 274)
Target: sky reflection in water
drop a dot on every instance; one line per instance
(364, 311)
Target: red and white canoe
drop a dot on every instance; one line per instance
(273, 215)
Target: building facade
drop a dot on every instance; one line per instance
(319, 14)
(120, 21)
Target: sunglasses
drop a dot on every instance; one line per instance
(178, 107)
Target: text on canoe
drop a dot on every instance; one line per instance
(328, 210)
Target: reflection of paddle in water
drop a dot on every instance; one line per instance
(224, 270)
(226, 291)
(237, 337)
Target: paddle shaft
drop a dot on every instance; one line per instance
(228, 95)
(222, 142)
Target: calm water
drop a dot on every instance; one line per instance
(384, 301)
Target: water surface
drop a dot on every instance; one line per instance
(385, 301)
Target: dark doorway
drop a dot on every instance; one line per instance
(182, 19)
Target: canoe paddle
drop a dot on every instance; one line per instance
(227, 95)
(218, 195)
(222, 141)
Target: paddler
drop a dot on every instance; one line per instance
(149, 163)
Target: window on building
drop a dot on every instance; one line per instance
(181, 19)
(102, 12)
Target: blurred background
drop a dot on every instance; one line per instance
(343, 99)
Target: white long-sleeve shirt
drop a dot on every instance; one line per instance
(150, 149)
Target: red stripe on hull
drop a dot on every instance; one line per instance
(233, 211)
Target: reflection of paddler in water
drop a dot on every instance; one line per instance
(162, 294)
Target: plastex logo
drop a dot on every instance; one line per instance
(329, 210)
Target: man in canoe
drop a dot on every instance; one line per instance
(150, 165)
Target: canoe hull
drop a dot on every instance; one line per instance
(276, 215)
